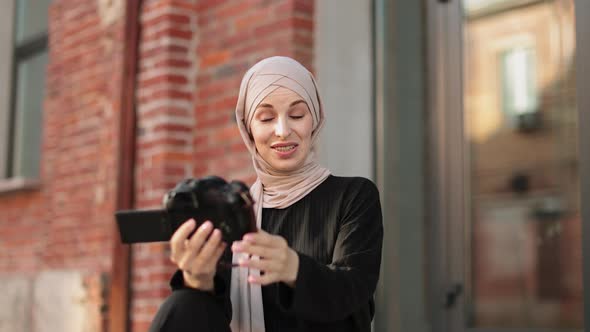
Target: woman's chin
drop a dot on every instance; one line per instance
(286, 166)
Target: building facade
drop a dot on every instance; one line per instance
(464, 113)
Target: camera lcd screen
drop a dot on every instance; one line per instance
(137, 226)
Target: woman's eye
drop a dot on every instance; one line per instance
(266, 120)
(297, 116)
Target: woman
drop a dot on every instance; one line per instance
(314, 263)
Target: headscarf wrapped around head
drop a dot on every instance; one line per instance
(273, 188)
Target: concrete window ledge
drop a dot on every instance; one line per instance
(18, 184)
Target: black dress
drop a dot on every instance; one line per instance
(337, 232)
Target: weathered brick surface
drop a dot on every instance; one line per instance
(191, 58)
(164, 144)
(67, 223)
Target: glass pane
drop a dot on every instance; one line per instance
(31, 19)
(524, 225)
(28, 120)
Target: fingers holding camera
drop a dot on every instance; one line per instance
(202, 256)
(177, 241)
(197, 257)
(192, 246)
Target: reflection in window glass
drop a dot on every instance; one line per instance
(519, 81)
(523, 211)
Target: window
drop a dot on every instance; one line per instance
(520, 93)
(23, 61)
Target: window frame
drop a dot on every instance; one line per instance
(7, 8)
(10, 57)
(32, 47)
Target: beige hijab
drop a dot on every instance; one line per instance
(272, 189)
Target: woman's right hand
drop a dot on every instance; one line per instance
(197, 257)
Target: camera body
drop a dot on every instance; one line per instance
(228, 206)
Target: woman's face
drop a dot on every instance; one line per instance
(282, 128)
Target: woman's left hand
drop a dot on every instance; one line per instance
(277, 261)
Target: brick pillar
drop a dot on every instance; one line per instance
(166, 84)
(192, 57)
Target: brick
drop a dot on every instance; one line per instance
(215, 89)
(165, 157)
(232, 10)
(163, 142)
(167, 127)
(177, 19)
(226, 103)
(177, 79)
(245, 23)
(304, 6)
(225, 134)
(284, 8)
(203, 79)
(204, 5)
(213, 122)
(214, 59)
(303, 23)
(169, 32)
(172, 63)
(171, 94)
(238, 147)
(243, 36)
(263, 47)
(274, 27)
(201, 140)
(303, 40)
(156, 6)
(164, 49)
(165, 110)
(208, 154)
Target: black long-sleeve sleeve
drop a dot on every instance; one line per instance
(334, 291)
(187, 308)
(337, 231)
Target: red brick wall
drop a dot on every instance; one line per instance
(67, 222)
(193, 55)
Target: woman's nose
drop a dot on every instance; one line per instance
(282, 128)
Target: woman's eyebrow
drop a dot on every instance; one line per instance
(297, 102)
(264, 106)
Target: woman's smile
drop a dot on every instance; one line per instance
(284, 150)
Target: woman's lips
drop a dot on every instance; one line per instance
(285, 151)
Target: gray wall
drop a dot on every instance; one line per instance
(343, 63)
(401, 128)
(374, 99)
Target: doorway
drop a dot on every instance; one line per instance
(505, 140)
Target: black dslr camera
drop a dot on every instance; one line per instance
(228, 206)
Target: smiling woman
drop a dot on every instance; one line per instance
(281, 130)
(314, 262)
